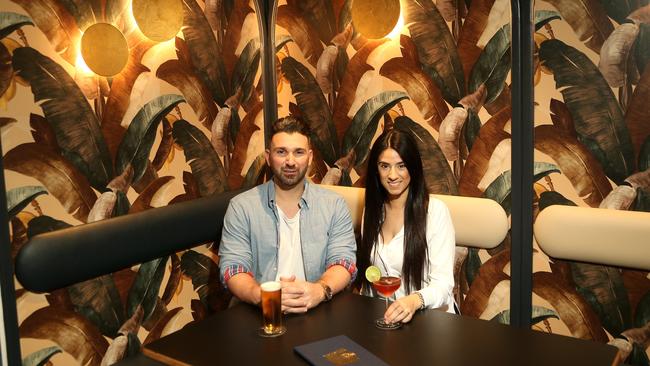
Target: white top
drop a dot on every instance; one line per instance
(437, 289)
(290, 253)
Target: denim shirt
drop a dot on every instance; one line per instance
(250, 238)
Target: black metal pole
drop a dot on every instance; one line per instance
(521, 256)
(10, 348)
(266, 12)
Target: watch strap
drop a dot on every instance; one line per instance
(326, 289)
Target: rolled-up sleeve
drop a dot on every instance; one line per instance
(342, 246)
(235, 254)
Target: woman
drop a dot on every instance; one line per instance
(406, 232)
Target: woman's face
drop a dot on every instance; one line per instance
(393, 174)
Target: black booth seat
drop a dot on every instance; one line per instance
(61, 258)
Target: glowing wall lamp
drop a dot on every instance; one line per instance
(159, 20)
(104, 49)
(375, 18)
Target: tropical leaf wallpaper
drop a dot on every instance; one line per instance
(183, 119)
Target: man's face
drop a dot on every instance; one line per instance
(289, 157)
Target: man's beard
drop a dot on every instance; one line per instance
(288, 182)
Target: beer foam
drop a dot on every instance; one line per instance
(271, 286)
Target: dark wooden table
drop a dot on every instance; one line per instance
(431, 338)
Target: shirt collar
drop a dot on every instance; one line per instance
(305, 199)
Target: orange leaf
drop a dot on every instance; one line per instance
(638, 113)
(71, 331)
(353, 73)
(490, 135)
(576, 162)
(420, 88)
(246, 130)
(574, 311)
(488, 277)
(470, 33)
(60, 178)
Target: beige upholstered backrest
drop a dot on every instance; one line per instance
(595, 235)
(478, 222)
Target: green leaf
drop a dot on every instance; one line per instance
(595, 111)
(493, 65)
(41, 357)
(67, 110)
(245, 70)
(644, 155)
(364, 124)
(500, 188)
(122, 205)
(139, 138)
(642, 312)
(9, 22)
(437, 173)
(606, 294)
(19, 198)
(472, 265)
(99, 301)
(550, 198)
(44, 224)
(146, 286)
(436, 47)
(280, 42)
(642, 202)
(254, 171)
(204, 51)
(205, 279)
(472, 128)
(638, 357)
(620, 9)
(315, 110)
(538, 314)
(543, 17)
(206, 167)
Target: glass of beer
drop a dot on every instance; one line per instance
(271, 309)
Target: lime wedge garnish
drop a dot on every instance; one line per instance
(373, 273)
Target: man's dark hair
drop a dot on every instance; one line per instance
(290, 124)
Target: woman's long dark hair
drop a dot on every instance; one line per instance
(415, 209)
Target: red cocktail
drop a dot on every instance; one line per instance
(386, 287)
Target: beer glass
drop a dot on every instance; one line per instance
(271, 309)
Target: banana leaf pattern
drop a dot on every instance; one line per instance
(183, 121)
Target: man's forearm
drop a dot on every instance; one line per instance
(245, 288)
(336, 277)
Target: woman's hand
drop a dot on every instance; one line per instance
(402, 309)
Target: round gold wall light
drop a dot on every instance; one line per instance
(158, 20)
(375, 18)
(104, 49)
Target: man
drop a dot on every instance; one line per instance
(288, 229)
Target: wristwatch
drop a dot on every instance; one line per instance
(327, 290)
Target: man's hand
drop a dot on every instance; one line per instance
(300, 296)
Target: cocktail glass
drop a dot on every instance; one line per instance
(386, 287)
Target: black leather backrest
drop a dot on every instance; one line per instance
(61, 258)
